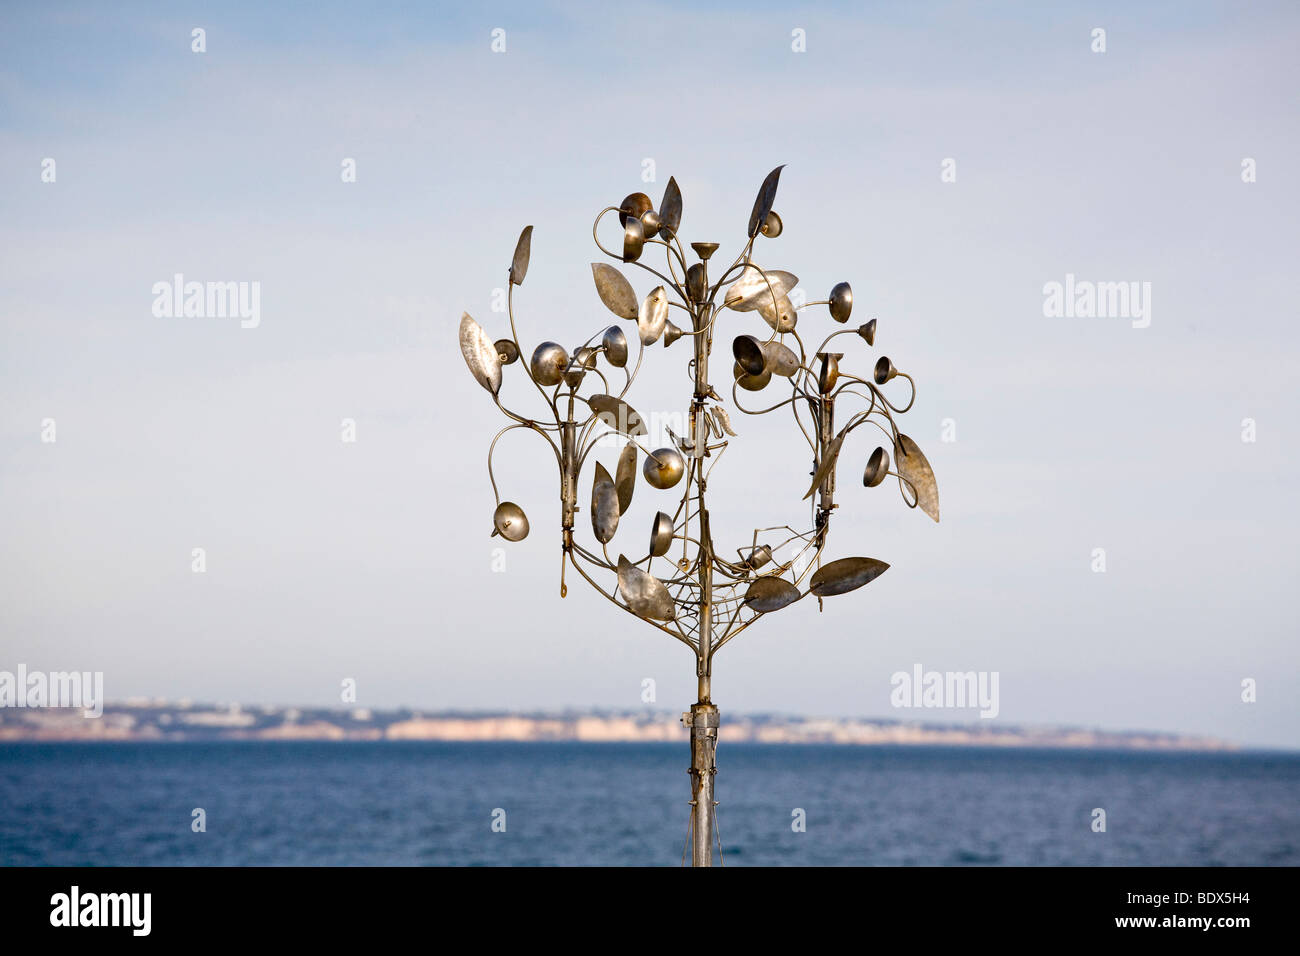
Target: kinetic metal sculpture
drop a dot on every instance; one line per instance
(702, 599)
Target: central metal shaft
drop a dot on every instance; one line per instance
(704, 745)
(703, 715)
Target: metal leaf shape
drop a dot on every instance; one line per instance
(780, 359)
(846, 574)
(523, 249)
(617, 414)
(644, 593)
(670, 210)
(827, 464)
(763, 201)
(715, 430)
(614, 290)
(912, 465)
(480, 354)
(723, 419)
(771, 594)
(653, 316)
(757, 287)
(782, 317)
(625, 477)
(604, 506)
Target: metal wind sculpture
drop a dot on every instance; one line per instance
(702, 598)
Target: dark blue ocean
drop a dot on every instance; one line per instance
(432, 804)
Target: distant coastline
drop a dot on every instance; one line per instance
(156, 720)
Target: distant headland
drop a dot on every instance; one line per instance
(160, 720)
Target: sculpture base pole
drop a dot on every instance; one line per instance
(703, 722)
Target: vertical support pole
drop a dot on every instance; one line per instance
(704, 721)
(826, 433)
(703, 718)
(568, 459)
(568, 489)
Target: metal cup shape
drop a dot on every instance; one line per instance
(877, 468)
(749, 354)
(548, 364)
(615, 344)
(696, 282)
(507, 350)
(650, 223)
(661, 535)
(633, 240)
(751, 383)
(510, 522)
(583, 360)
(634, 206)
(829, 373)
(868, 332)
(841, 302)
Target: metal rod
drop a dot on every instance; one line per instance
(704, 716)
(704, 744)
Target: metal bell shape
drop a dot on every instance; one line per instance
(877, 468)
(841, 302)
(615, 344)
(548, 363)
(868, 332)
(633, 240)
(749, 354)
(829, 373)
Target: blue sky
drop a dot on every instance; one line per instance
(371, 560)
